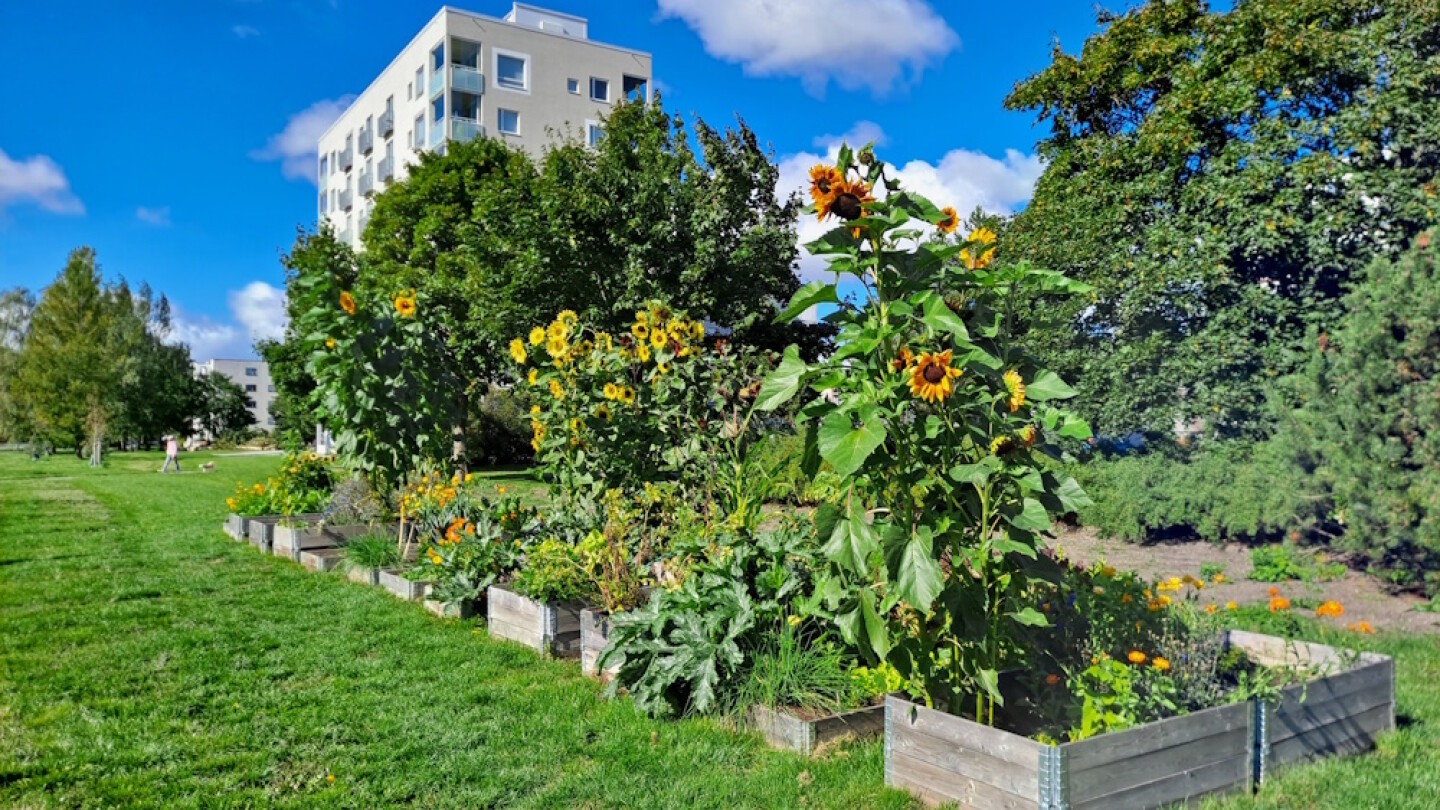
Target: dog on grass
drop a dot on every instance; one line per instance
(208, 466)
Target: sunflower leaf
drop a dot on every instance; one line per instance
(782, 383)
(846, 447)
(939, 317)
(913, 568)
(1047, 385)
(852, 540)
(812, 294)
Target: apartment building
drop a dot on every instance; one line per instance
(253, 377)
(525, 78)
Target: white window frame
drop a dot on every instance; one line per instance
(591, 124)
(593, 97)
(572, 86)
(499, 118)
(495, 54)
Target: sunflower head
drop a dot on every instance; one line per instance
(642, 353)
(640, 330)
(602, 411)
(557, 348)
(405, 304)
(555, 390)
(533, 375)
(979, 250)
(848, 202)
(517, 351)
(950, 222)
(932, 376)
(627, 395)
(568, 318)
(658, 338)
(611, 390)
(902, 358)
(1002, 445)
(1015, 385)
(556, 329)
(537, 336)
(823, 182)
(347, 302)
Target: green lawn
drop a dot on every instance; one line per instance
(147, 660)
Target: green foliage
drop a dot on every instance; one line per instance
(498, 430)
(292, 406)
(795, 667)
(1286, 561)
(468, 558)
(371, 551)
(553, 571)
(301, 486)
(1115, 695)
(221, 407)
(1219, 177)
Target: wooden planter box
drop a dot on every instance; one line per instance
(786, 731)
(468, 609)
(1341, 712)
(324, 559)
(291, 541)
(945, 758)
(553, 629)
(235, 527)
(407, 589)
(364, 576)
(594, 638)
(261, 531)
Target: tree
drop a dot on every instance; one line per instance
(223, 406)
(1219, 178)
(16, 306)
(294, 391)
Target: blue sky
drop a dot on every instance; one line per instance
(157, 132)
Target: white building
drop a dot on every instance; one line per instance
(253, 377)
(527, 78)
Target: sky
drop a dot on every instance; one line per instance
(177, 137)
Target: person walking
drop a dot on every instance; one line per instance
(172, 453)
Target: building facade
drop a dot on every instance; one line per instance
(528, 79)
(253, 377)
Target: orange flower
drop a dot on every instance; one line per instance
(824, 180)
(984, 253)
(1330, 609)
(902, 359)
(950, 222)
(1127, 598)
(1052, 679)
(931, 377)
(1210, 608)
(1028, 435)
(1136, 657)
(1279, 603)
(347, 302)
(1362, 627)
(1274, 591)
(847, 202)
(1160, 663)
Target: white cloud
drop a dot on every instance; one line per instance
(295, 146)
(159, 217)
(260, 308)
(857, 43)
(207, 338)
(257, 311)
(962, 179)
(245, 31)
(38, 180)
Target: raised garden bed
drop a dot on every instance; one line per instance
(261, 531)
(364, 576)
(594, 638)
(787, 730)
(407, 589)
(468, 609)
(944, 758)
(292, 540)
(235, 527)
(553, 629)
(323, 559)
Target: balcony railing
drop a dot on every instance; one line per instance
(347, 159)
(367, 183)
(386, 169)
(345, 236)
(437, 133)
(387, 124)
(464, 77)
(466, 129)
(347, 200)
(437, 83)
(367, 141)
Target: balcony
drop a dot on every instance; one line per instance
(386, 169)
(364, 220)
(367, 183)
(347, 200)
(437, 133)
(437, 83)
(344, 236)
(367, 141)
(466, 129)
(387, 124)
(347, 159)
(464, 77)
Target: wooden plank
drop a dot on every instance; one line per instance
(1122, 745)
(992, 742)
(364, 576)
(964, 763)
(935, 785)
(1341, 684)
(1346, 736)
(322, 559)
(1290, 719)
(1170, 764)
(527, 636)
(780, 729)
(502, 611)
(1225, 776)
(860, 724)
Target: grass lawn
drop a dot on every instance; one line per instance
(147, 660)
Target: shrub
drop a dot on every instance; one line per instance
(1285, 561)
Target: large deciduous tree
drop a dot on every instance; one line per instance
(1219, 178)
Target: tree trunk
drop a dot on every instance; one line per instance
(458, 453)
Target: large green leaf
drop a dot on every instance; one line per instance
(1030, 617)
(1032, 517)
(914, 570)
(852, 540)
(1047, 385)
(875, 631)
(782, 383)
(845, 446)
(939, 317)
(816, 292)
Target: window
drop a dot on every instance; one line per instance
(271, 388)
(512, 71)
(419, 142)
(333, 161)
(250, 389)
(390, 105)
(437, 59)
(573, 85)
(636, 88)
(324, 202)
(324, 165)
(439, 107)
(593, 133)
(270, 420)
(409, 90)
(249, 403)
(420, 82)
(599, 89)
(509, 122)
(249, 372)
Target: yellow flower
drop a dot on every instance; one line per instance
(902, 359)
(611, 390)
(697, 330)
(517, 351)
(330, 343)
(1016, 386)
(642, 317)
(1001, 445)
(1107, 571)
(569, 318)
(642, 353)
(824, 181)
(534, 410)
(557, 348)
(1160, 663)
(627, 395)
(1210, 608)
(602, 411)
(405, 304)
(1330, 609)
(1218, 578)
(555, 390)
(984, 238)
(468, 476)
(640, 330)
(950, 222)
(1164, 600)
(1136, 657)
(533, 375)
(1029, 435)
(537, 336)
(662, 368)
(793, 620)
(930, 378)
(557, 331)
(347, 302)
(847, 202)
(1279, 603)
(658, 338)
(1231, 606)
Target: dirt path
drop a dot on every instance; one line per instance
(1362, 595)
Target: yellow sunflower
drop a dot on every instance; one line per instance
(642, 317)
(824, 180)
(931, 376)
(658, 338)
(848, 202)
(557, 348)
(1029, 435)
(555, 390)
(662, 368)
(330, 343)
(640, 330)
(405, 304)
(1016, 386)
(534, 410)
(537, 336)
(517, 351)
(533, 376)
(611, 390)
(539, 428)
(902, 359)
(347, 302)
(642, 353)
(557, 330)
(1001, 445)
(950, 222)
(984, 253)
(602, 411)
(627, 395)
(697, 330)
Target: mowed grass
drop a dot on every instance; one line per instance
(147, 660)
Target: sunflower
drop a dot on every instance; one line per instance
(662, 368)
(642, 317)
(1016, 386)
(517, 351)
(557, 348)
(1001, 445)
(330, 343)
(642, 353)
(347, 302)
(569, 318)
(611, 390)
(902, 359)
(823, 182)
(639, 330)
(533, 375)
(405, 304)
(658, 338)
(950, 222)
(697, 330)
(1029, 435)
(848, 202)
(602, 411)
(930, 377)
(537, 336)
(539, 429)
(984, 254)
(555, 390)
(627, 395)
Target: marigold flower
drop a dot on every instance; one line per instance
(1126, 598)
(931, 377)
(1279, 603)
(1210, 608)
(1016, 386)
(1330, 609)
(347, 302)
(517, 351)
(405, 304)
(1136, 657)
(984, 241)
(1231, 606)
(1362, 627)
(1160, 663)
(1274, 591)
(950, 222)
